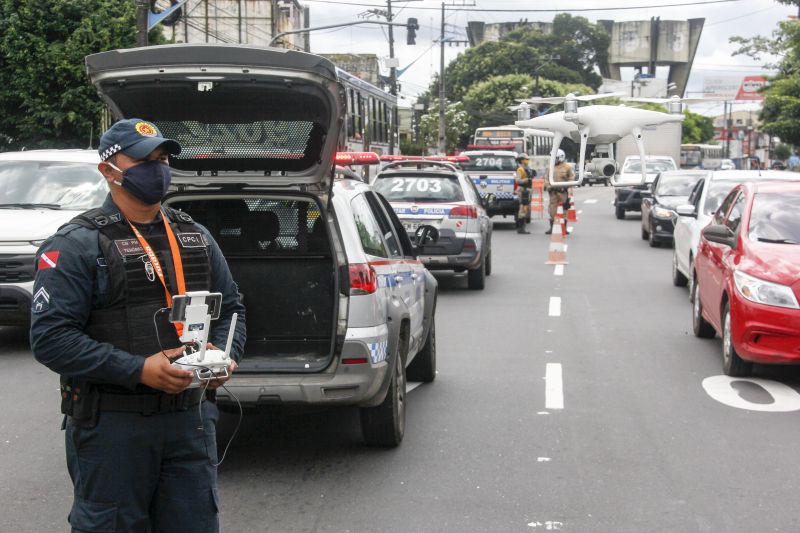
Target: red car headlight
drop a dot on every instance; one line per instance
(764, 292)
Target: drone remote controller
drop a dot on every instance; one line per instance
(196, 310)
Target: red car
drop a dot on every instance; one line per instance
(748, 276)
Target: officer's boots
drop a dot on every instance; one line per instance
(550, 229)
(521, 227)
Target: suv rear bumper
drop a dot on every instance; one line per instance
(15, 304)
(468, 258)
(361, 384)
(503, 207)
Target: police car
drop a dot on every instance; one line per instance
(437, 193)
(42, 189)
(494, 172)
(340, 310)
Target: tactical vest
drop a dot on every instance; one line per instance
(134, 318)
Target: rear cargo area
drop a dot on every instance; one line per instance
(279, 253)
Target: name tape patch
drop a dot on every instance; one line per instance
(191, 240)
(129, 247)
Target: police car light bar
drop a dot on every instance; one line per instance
(356, 158)
(499, 147)
(448, 158)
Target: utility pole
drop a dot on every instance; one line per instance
(392, 75)
(442, 139)
(142, 10)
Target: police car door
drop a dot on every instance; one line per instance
(407, 281)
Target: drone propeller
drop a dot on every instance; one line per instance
(561, 99)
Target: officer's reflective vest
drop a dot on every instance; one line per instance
(134, 317)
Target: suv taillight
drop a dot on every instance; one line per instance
(363, 279)
(464, 211)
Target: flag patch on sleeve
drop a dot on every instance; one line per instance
(48, 260)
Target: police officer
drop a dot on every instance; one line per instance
(523, 181)
(140, 445)
(558, 195)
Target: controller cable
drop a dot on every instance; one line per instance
(200, 404)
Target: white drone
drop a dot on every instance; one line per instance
(602, 124)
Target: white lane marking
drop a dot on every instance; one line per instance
(580, 211)
(543, 459)
(558, 270)
(591, 201)
(555, 306)
(784, 398)
(549, 525)
(565, 248)
(411, 385)
(542, 413)
(554, 387)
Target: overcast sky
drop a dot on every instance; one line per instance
(739, 17)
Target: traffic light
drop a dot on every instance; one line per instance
(412, 26)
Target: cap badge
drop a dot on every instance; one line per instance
(146, 129)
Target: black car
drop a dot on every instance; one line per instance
(669, 190)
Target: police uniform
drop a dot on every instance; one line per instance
(140, 459)
(523, 180)
(559, 195)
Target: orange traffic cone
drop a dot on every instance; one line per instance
(572, 214)
(557, 253)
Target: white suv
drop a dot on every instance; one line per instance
(40, 191)
(339, 309)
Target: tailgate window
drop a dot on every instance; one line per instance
(419, 188)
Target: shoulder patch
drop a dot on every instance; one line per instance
(191, 240)
(41, 301)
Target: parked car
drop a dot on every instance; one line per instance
(778, 165)
(41, 190)
(339, 309)
(703, 202)
(628, 191)
(727, 164)
(748, 276)
(669, 190)
(439, 194)
(494, 173)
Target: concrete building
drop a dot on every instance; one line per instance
(239, 21)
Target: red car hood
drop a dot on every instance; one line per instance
(779, 263)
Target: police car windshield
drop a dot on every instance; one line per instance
(488, 162)
(68, 185)
(775, 218)
(419, 188)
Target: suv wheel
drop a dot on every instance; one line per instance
(700, 326)
(732, 364)
(423, 367)
(489, 263)
(651, 240)
(476, 279)
(678, 279)
(620, 212)
(385, 424)
(645, 233)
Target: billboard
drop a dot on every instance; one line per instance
(734, 87)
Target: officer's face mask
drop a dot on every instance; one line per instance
(146, 181)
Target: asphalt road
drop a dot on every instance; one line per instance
(596, 412)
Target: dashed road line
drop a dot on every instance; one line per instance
(558, 270)
(554, 387)
(590, 201)
(555, 306)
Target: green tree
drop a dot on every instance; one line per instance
(456, 125)
(46, 100)
(780, 112)
(696, 128)
(487, 101)
(579, 44)
(782, 152)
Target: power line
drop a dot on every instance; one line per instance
(540, 10)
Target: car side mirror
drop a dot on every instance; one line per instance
(719, 234)
(686, 210)
(426, 234)
(487, 200)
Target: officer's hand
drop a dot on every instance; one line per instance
(160, 374)
(216, 383)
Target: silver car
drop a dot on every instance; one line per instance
(339, 309)
(437, 193)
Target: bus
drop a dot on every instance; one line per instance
(529, 141)
(707, 156)
(371, 116)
